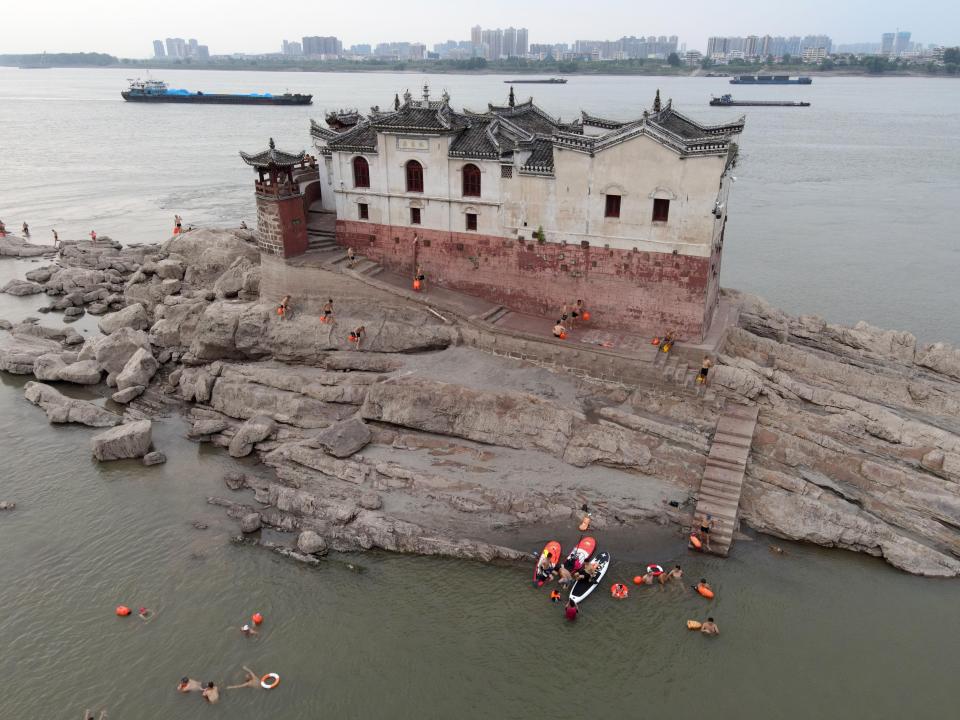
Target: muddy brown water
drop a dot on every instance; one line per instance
(811, 633)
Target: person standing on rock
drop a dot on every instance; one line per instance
(351, 257)
(419, 279)
(704, 370)
(327, 316)
(93, 236)
(3, 229)
(707, 523)
(177, 224)
(56, 238)
(26, 230)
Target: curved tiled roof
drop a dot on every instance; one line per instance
(271, 157)
(360, 138)
(477, 140)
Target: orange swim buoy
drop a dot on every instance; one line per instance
(280, 311)
(123, 610)
(416, 285)
(563, 336)
(619, 591)
(705, 591)
(695, 541)
(637, 580)
(586, 316)
(257, 618)
(655, 341)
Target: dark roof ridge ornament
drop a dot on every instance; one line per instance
(656, 102)
(272, 144)
(396, 101)
(407, 97)
(512, 101)
(445, 97)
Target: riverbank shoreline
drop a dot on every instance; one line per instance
(422, 443)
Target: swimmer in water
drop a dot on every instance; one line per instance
(674, 574)
(710, 627)
(189, 685)
(211, 693)
(251, 680)
(248, 631)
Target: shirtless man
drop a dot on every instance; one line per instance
(704, 370)
(559, 330)
(251, 680)
(420, 277)
(707, 523)
(710, 627)
(589, 571)
(674, 574)
(546, 569)
(357, 335)
(189, 685)
(351, 257)
(211, 693)
(327, 311)
(248, 631)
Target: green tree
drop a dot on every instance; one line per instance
(876, 64)
(706, 63)
(673, 60)
(786, 60)
(826, 64)
(952, 55)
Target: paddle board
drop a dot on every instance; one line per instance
(554, 551)
(582, 588)
(579, 555)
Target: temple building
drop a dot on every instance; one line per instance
(515, 206)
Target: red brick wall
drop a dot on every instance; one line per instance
(624, 290)
(281, 225)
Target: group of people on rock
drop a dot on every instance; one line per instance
(569, 315)
(356, 335)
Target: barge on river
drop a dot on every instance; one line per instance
(770, 80)
(545, 81)
(157, 91)
(728, 101)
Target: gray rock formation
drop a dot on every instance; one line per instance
(131, 440)
(113, 352)
(61, 409)
(133, 316)
(139, 370)
(128, 394)
(20, 288)
(250, 522)
(154, 458)
(343, 439)
(309, 543)
(257, 428)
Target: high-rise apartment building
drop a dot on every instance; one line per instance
(510, 42)
(901, 43)
(315, 45)
(192, 47)
(496, 44)
(522, 42)
(476, 33)
(886, 43)
(158, 51)
(291, 48)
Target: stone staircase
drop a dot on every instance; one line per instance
(321, 230)
(722, 479)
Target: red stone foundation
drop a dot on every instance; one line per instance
(629, 291)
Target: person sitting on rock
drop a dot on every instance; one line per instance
(710, 627)
(189, 685)
(211, 693)
(251, 680)
(559, 331)
(351, 257)
(357, 335)
(546, 569)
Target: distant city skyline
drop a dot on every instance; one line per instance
(128, 30)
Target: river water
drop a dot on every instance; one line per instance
(812, 633)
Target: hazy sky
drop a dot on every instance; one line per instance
(127, 27)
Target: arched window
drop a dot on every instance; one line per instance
(471, 181)
(361, 172)
(414, 176)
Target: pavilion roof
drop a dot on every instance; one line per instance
(271, 157)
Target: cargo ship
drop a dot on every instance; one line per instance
(157, 91)
(770, 80)
(545, 81)
(728, 101)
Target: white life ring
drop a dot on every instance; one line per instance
(269, 681)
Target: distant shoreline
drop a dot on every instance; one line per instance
(509, 72)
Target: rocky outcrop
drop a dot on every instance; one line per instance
(20, 288)
(113, 352)
(257, 428)
(138, 370)
(53, 367)
(131, 440)
(133, 316)
(61, 409)
(154, 458)
(19, 352)
(343, 439)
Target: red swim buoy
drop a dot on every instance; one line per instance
(257, 618)
(637, 580)
(695, 542)
(586, 316)
(123, 610)
(563, 336)
(705, 591)
(416, 285)
(655, 341)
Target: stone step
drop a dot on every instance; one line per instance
(716, 508)
(742, 412)
(721, 490)
(729, 453)
(498, 315)
(737, 441)
(736, 428)
(723, 475)
(490, 313)
(681, 372)
(364, 266)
